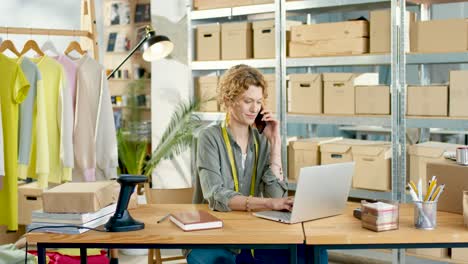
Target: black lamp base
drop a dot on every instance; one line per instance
(123, 224)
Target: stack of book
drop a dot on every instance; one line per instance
(379, 216)
(68, 223)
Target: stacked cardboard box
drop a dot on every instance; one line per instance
(458, 94)
(339, 38)
(424, 153)
(434, 36)
(206, 91)
(29, 199)
(236, 41)
(373, 100)
(272, 97)
(339, 92)
(208, 42)
(429, 100)
(373, 167)
(305, 93)
(264, 38)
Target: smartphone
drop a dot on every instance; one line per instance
(259, 123)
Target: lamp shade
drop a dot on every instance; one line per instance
(157, 47)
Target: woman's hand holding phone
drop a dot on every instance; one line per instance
(271, 130)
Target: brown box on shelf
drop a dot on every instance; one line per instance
(373, 167)
(338, 90)
(455, 178)
(341, 151)
(460, 254)
(29, 199)
(208, 42)
(458, 94)
(373, 100)
(264, 39)
(10, 237)
(422, 154)
(431, 100)
(329, 47)
(433, 36)
(305, 93)
(236, 41)
(205, 89)
(308, 34)
(431, 252)
(79, 197)
(303, 153)
(271, 88)
(380, 27)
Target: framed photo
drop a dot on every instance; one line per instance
(111, 41)
(143, 13)
(122, 43)
(118, 13)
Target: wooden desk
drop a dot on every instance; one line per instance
(345, 232)
(241, 230)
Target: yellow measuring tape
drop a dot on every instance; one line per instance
(233, 165)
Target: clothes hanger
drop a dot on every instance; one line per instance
(9, 45)
(74, 46)
(49, 46)
(32, 45)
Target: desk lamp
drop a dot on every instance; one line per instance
(155, 47)
(122, 221)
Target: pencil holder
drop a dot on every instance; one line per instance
(425, 215)
(465, 208)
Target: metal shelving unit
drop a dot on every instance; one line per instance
(226, 64)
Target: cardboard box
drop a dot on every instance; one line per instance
(431, 252)
(338, 90)
(460, 254)
(309, 34)
(329, 47)
(380, 28)
(305, 93)
(79, 197)
(264, 39)
(433, 36)
(29, 199)
(373, 167)
(208, 42)
(340, 151)
(10, 237)
(236, 41)
(373, 100)
(205, 89)
(429, 100)
(424, 153)
(455, 178)
(304, 153)
(458, 94)
(271, 88)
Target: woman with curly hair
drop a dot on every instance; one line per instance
(240, 168)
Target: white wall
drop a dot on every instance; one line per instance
(53, 14)
(170, 85)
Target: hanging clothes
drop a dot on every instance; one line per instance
(2, 159)
(14, 88)
(33, 123)
(70, 68)
(94, 129)
(59, 121)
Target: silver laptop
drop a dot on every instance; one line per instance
(321, 191)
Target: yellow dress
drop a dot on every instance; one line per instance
(13, 90)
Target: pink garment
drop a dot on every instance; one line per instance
(70, 68)
(57, 258)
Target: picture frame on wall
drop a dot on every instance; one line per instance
(143, 13)
(111, 41)
(118, 13)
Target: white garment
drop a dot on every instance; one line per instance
(94, 129)
(244, 157)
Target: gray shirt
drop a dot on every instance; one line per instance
(33, 75)
(214, 169)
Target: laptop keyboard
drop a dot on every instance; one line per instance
(278, 214)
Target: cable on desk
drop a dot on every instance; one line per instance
(62, 226)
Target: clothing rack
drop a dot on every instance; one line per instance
(88, 32)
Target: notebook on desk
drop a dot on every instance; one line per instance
(195, 220)
(321, 191)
